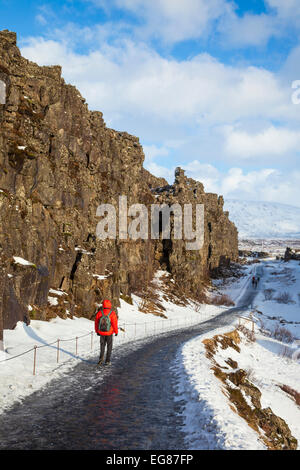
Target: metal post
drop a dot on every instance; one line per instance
(76, 345)
(91, 340)
(57, 357)
(34, 359)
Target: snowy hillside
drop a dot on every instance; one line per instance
(264, 219)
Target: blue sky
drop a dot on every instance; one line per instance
(205, 84)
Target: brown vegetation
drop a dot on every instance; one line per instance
(222, 300)
(244, 396)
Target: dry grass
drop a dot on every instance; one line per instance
(269, 294)
(291, 392)
(284, 298)
(282, 334)
(222, 300)
(247, 333)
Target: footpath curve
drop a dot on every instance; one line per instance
(127, 406)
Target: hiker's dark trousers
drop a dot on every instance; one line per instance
(106, 341)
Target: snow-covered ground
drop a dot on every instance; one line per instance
(275, 247)
(269, 361)
(206, 402)
(234, 287)
(278, 299)
(210, 422)
(264, 219)
(54, 359)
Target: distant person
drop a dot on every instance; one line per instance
(253, 280)
(106, 323)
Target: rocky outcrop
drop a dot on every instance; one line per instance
(244, 397)
(291, 254)
(58, 163)
(193, 267)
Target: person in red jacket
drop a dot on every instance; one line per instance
(106, 323)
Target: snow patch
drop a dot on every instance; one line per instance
(264, 219)
(52, 301)
(22, 261)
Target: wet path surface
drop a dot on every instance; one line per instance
(129, 405)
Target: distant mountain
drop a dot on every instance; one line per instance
(264, 219)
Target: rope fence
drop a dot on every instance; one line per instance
(128, 331)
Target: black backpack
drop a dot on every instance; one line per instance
(104, 322)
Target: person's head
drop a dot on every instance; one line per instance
(106, 303)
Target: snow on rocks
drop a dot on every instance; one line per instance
(57, 292)
(52, 301)
(101, 277)
(207, 406)
(22, 261)
(206, 401)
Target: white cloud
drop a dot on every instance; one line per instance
(153, 151)
(248, 30)
(171, 20)
(250, 184)
(267, 184)
(206, 173)
(41, 19)
(183, 107)
(135, 78)
(160, 171)
(269, 142)
(287, 9)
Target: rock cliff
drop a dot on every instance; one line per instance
(58, 163)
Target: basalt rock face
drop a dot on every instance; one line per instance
(58, 163)
(218, 247)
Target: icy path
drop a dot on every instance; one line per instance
(127, 406)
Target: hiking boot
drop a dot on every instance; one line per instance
(100, 362)
(107, 363)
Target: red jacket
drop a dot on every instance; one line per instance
(113, 319)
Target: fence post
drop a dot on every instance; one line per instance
(57, 357)
(76, 349)
(91, 340)
(34, 359)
